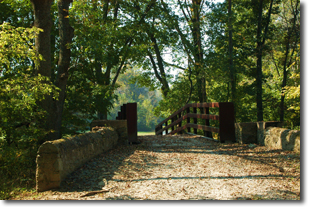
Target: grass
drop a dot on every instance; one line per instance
(145, 133)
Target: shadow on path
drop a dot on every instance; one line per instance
(265, 156)
(95, 174)
(271, 176)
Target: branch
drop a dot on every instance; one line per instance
(94, 192)
(187, 19)
(122, 62)
(201, 5)
(268, 21)
(174, 65)
(186, 44)
(187, 8)
(116, 10)
(105, 10)
(274, 61)
(191, 82)
(154, 67)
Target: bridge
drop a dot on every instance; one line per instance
(185, 119)
(183, 166)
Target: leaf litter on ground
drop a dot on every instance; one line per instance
(183, 167)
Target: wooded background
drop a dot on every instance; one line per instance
(65, 63)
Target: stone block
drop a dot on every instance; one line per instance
(57, 159)
(282, 138)
(120, 127)
(261, 127)
(297, 144)
(246, 133)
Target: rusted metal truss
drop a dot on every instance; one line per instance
(129, 112)
(174, 123)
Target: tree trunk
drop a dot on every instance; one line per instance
(165, 87)
(42, 19)
(259, 53)
(259, 73)
(286, 63)
(230, 52)
(284, 83)
(158, 76)
(65, 36)
(198, 52)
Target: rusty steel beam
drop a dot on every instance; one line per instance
(207, 122)
(191, 125)
(226, 118)
(187, 117)
(205, 128)
(197, 105)
(227, 122)
(132, 125)
(129, 112)
(203, 105)
(178, 129)
(203, 116)
(180, 123)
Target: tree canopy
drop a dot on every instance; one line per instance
(64, 63)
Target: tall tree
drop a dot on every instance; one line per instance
(198, 49)
(42, 13)
(291, 41)
(230, 52)
(157, 62)
(115, 25)
(42, 20)
(42, 9)
(261, 38)
(65, 39)
(192, 45)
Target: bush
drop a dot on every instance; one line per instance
(17, 168)
(21, 117)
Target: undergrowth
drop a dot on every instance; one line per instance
(17, 169)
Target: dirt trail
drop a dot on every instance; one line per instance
(182, 167)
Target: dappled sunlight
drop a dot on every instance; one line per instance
(184, 167)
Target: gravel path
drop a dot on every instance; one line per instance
(183, 167)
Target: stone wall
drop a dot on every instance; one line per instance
(261, 128)
(268, 134)
(282, 138)
(246, 133)
(120, 127)
(57, 159)
(253, 132)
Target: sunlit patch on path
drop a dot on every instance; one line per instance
(184, 167)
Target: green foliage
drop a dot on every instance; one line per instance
(130, 91)
(85, 98)
(16, 48)
(216, 58)
(176, 98)
(20, 92)
(101, 50)
(20, 89)
(17, 167)
(111, 65)
(292, 95)
(16, 12)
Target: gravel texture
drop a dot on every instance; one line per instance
(182, 167)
